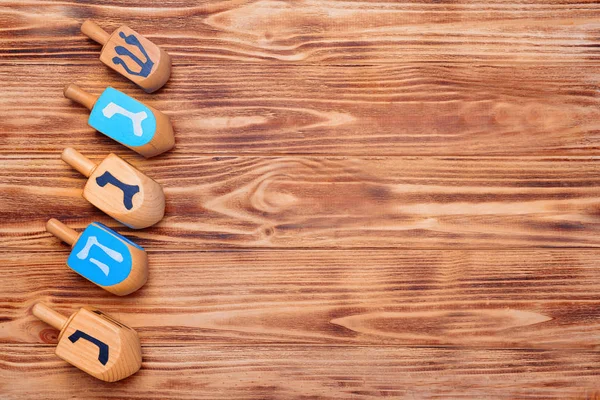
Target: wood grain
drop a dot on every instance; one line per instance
(423, 109)
(537, 299)
(319, 372)
(314, 31)
(298, 202)
(367, 198)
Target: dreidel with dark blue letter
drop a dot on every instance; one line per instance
(143, 129)
(120, 190)
(94, 342)
(101, 255)
(131, 55)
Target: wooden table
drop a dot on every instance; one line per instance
(366, 199)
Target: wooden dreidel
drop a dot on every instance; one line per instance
(143, 129)
(120, 190)
(101, 255)
(131, 55)
(94, 342)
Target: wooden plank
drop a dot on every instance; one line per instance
(300, 372)
(421, 109)
(314, 31)
(367, 88)
(545, 299)
(298, 202)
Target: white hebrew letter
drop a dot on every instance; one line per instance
(93, 241)
(136, 118)
(103, 267)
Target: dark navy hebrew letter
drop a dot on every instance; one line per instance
(146, 66)
(102, 347)
(128, 190)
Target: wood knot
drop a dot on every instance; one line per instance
(49, 336)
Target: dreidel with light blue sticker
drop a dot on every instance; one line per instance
(104, 257)
(143, 129)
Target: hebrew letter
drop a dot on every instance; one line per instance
(146, 66)
(136, 118)
(93, 241)
(128, 190)
(102, 347)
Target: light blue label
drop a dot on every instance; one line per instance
(101, 255)
(122, 118)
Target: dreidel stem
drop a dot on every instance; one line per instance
(62, 231)
(78, 161)
(94, 32)
(77, 94)
(49, 316)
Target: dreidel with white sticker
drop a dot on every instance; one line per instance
(131, 55)
(104, 257)
(143, 129)
(120, 190)
(94, 342)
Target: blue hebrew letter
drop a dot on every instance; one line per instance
(128, 190)
(146, 66)
(102, 347)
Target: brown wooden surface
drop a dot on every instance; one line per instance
(365, 199)
(536, 299)
(299, 202)
(282, 372)
(416, 108)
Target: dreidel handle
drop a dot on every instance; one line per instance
(77, 94)
(49, 316)
(94, 32)
(62, 231)
(78, 161)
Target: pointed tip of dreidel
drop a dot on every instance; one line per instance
(77, 94)
(49, 316)
(78, 161)
(61, 231)
(94, 32)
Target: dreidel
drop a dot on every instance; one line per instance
(104, 257)
(94, 342)
(120, 190)
(131, 55)
(143, 129)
